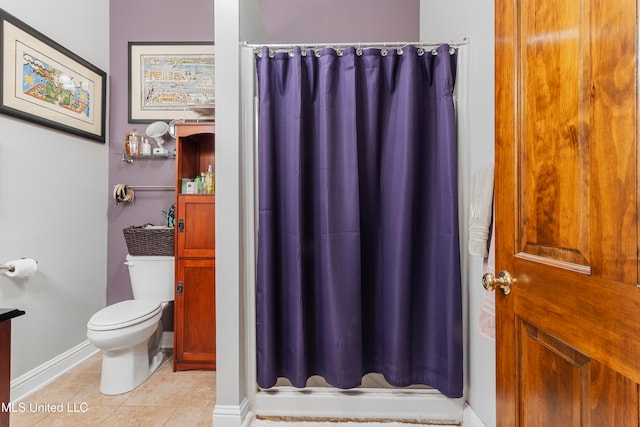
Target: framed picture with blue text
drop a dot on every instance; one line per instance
(45, 83)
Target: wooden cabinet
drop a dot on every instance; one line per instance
(195, 255)
(6, 314)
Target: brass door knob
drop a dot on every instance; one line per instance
(503, 281)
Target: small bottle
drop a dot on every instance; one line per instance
(199, 185)
(133, 145)
(127, 147)
(146, 147)
(208, 181)
(191, 187)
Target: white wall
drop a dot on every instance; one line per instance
(452, 20)
(231, 396)
(252, 28)
(53, 202)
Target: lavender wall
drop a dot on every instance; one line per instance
(141, 20)
(341, 21)
(286, 21)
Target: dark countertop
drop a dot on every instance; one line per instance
(9, 313)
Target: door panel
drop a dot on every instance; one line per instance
(196, 226)
(552, 381)
(195, 319)
(559, 383)
(568, 335)
(554, 139)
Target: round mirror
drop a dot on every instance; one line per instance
(172, 127)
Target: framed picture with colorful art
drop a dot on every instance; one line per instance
(171, 81)
(45, 83)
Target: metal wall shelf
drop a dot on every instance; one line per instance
(128, 158)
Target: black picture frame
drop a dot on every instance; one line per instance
(47, 84)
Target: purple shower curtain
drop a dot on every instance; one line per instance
(358, 245)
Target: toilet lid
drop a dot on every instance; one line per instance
(123, 314)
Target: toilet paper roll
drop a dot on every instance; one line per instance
(23, 267)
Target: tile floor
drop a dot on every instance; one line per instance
(166, 399)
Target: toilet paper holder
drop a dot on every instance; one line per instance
(11, 268)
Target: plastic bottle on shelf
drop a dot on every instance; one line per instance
(208, 181)
(145, 147)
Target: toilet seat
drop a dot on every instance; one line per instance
(123, 314)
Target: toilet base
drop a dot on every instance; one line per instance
(123, 371)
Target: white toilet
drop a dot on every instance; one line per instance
(130, 332)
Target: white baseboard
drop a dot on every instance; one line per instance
(37, 378)
(44, 374)
(470, 418)
(249, 419)
(231, 415)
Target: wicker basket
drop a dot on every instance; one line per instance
(143, 241)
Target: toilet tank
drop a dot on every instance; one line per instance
(152, 277)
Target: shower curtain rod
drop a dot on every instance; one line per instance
(384, 45)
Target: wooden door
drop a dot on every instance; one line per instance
(568, 334)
